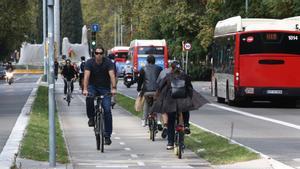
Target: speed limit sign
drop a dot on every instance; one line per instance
(187, 46)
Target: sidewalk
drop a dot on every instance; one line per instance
(131, 147)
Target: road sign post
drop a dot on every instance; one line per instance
(186, 47)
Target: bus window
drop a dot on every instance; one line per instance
(151, 50)
(270, 42)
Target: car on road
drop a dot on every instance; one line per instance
(2, 72)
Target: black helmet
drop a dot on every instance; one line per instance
(82, 58)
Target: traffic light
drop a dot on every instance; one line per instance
(93, 43)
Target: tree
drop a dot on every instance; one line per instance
(71, 20)
(17, 24)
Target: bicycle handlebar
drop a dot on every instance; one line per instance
(100, 96)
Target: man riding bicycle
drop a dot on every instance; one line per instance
(147, 84)
(69, 74)
(99, 79)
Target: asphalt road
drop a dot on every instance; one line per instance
(12, 99)
(269, 129)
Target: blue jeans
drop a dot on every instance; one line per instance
(106, 104)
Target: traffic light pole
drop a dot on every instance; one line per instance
(93, 43)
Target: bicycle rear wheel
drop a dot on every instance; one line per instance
(180, 145)
(152, 128)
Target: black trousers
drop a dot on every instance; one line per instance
(171, 124)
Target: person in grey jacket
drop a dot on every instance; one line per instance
(147, 84)
(166, 103)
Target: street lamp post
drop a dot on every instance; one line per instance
(52, 144)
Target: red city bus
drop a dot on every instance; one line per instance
(140, 49)
(256, 59)
(120, 52)
(121, 56)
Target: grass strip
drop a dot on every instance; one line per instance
(35, 144)
(215, 149)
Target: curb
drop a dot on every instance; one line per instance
(11, 148)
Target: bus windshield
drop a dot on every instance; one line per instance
(269, 42)
(154, 50)
(121, 55)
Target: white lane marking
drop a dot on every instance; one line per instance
(257, 116)
(134, 155)
(174, 166)
(140, 163)
(122, 143)
(12, 144)
(112, 166)
(127, 149)
(117, 138)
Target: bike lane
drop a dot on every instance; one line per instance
(130, 148)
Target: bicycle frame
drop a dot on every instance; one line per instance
(99, 123)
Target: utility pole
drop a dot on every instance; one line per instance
(57, 28)
(246, 8)
(121, 33)
(115, 30)
(119, 30)
(45, 36)
(52, 144)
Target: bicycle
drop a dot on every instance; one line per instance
(152, 122)
(152, 117)
(179, 135)
(99, 122)
(69, 91)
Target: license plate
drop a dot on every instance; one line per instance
(129, 80)
(274, 91)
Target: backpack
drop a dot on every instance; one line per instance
(178, 88)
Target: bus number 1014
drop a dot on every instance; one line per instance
(293, 37)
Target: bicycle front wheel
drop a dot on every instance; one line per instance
(101, 132)
(98, 141)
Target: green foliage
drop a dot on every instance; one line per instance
(176, 21)
(18, 24)
(71, 20)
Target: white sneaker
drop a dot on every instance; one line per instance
(143, 123)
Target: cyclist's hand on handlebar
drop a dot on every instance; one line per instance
(113, 91)
(85, 92)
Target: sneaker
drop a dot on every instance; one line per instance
(107, 141)
(91, 122)
(164, 132)
(187, 130)
(144, 123)
(170, 146)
